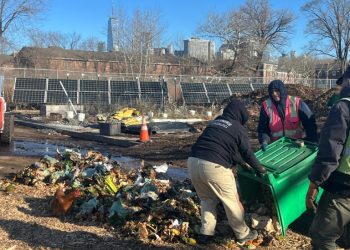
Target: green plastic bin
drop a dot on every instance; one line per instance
(288, 163)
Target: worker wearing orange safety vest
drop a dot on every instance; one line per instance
(284, 115)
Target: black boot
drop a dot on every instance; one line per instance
(253, 234)
(204, 239)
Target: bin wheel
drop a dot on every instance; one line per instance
(7, 133)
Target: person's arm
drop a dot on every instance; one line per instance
(263, 127)
(308, 120)
(247, 153)
(332, 141)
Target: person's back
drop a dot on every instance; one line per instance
(223, 144)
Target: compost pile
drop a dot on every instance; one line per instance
(143, 204)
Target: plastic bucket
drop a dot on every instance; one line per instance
(165, 115)
(209, 114)
(81, 117)
(69, 114)
(192, 112)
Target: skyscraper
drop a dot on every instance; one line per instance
(112, 37)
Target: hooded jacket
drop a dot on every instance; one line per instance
(332, 141)
(225, 141)
(306, 117)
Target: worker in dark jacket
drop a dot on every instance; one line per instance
(331, 171)
(335, 97)
(284, 115)
(223, 144)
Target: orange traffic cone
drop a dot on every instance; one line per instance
(144, 136)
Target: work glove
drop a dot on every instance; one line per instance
(263, 147)
(311, 196)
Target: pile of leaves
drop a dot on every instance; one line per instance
(140, 203)
(143, 203)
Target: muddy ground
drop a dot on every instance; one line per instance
(26, 222)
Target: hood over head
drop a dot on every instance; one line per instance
(236, 110)
(279, 85)
(344, 80)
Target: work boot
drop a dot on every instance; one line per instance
(253, 234)
(205, 239)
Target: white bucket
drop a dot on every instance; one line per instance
(81, 117)
(69, 114)
(209, 114)
(192, 112)
(150, 114)
(165, 115)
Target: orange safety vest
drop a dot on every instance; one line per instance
(2, 113)
(292, 126)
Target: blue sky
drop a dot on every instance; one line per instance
(180, 17)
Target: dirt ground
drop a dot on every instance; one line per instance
(26, 222)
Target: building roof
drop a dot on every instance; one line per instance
(56, 52)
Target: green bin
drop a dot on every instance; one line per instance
(288, 163)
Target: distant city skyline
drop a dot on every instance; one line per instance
(180, 18)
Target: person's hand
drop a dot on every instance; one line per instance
(311, 196)
(246, 166)
(263, 147)
(260, 170)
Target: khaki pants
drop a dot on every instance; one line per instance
(214, 183)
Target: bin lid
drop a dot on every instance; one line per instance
(286, 153)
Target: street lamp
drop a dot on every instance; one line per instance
(82, 75)
(67, 76)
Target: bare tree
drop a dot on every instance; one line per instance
(73, 40)
(304, 64)
(228, 28)
(137, 35)
(16, 15)
(89, 44)
(265, 27)
(329, 23)
(43, 39)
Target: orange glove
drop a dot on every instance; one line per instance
(311, 196)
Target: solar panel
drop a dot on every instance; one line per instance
(192, 87)
(257, 86)
(93, 85)
(69, 84)
(57, 97)
(151, 87)
(93, 97)
(124, 87)
(29, 96)
(217, 87)
(240, 88)
(195, 98)
(30, 83)
(155, 98)
(130, 99)
(217, 97)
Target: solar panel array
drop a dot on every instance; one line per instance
(217, 92)
(153, 92)
(29, 90)
(34, 90)
(93, 91)
(124, 92)
(202, 93)
(55, 93)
